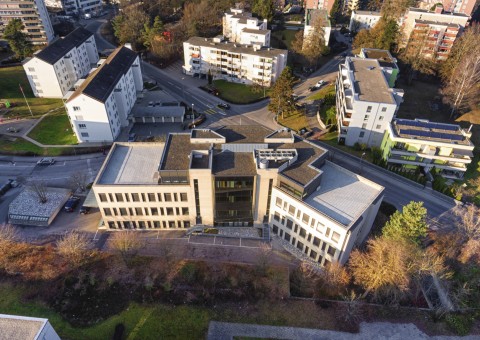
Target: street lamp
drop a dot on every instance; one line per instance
(193, 117)
(361, 162)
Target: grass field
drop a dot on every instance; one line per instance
(19, 146)
(331, 138)
(295, 121)
(10, 78)
(237, 93)
(285, 36)
(54, 129)
(329, 89)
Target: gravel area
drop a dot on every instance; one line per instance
(368, 331)
(239, 232)
(27, 203)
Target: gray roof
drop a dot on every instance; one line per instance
(228, 163)
(14, 327)
(370, 83)
(255, 31)
(236, 47)
(413, 9)
(160, 111)
(313, 14)
(437, 23)
(378, 14)
(132, 163)
(57, 49)
(204, 133)
(100, 83)
(251, 134)
(383, 56)
(343, 195)
(177, 151)
(27, 204)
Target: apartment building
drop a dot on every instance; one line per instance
(101, 103)
(248, 64)
(316, 18)
(361, 20)
(53, 71)
(319, 4)
(240, 27)
(239, 176)
(387, 63)
(365, 102)
(467, 7)
(432, 33)
(79, 7)
(412, 144)
(15, 327)
(34, 16)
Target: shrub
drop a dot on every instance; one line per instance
(460, 324)
(357, 146)
(210, 231)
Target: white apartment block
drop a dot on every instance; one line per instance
(239, 176)
(365, 102)
(312, 16)
(53, 71)
(101, 103)
(79, 7)
(363, 20)
(248, 64)
(240, 27)
(14, 327)
(34, 16)
(412, 144)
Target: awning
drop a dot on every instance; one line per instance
(90, 200)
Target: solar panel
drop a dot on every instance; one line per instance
(431, 134)
(446, 127)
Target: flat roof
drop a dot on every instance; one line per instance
(343, 195)
(159, 111)
(253, 30)
(413, 9)
(250, 134)
(383, 56)
(437, 23)
(229, 163)
(377, 14)
(267, 52)
(132, 163)
(369, 81)
(313, 14)
(13, 327)
(177, 151)
(27, 203)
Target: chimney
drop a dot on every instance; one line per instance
(439, 9)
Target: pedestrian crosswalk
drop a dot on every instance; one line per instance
(210, 111)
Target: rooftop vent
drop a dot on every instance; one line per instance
(371, 68)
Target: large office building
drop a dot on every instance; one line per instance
(239, 176)
(363, 20)
(248, 64)
(410, 144)
(240, 27)
(100, 105)
(53, 71)
(34, 16)
(432, 33)
(365, 102)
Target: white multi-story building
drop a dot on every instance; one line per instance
(53, 71)
(239, 176)
(410, 144)
(79, 7)
(101, 103)
(314, 17)
(34, 16)
(387, 62)
(365, 102)
(14, 327)
(233, 62)
(240, 27)
(363, 20)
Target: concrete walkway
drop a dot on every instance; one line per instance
(368, 331)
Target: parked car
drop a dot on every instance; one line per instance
(84, 210)
(13, 129)
(199, 120)
(318, 85)
(46, 161)
(224, 106)
(213, 90)
(132, 137)
(71, 204)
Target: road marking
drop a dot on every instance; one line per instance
(210, 111)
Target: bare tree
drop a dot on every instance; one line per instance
(39, 189)
(333, 280)
(127, 243)
(469, 226)
(8, 236)
(263, 259)
(78, 181)
(73, 246)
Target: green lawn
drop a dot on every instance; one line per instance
(237, 93)
(54, 129)
(331, 138)
(19, 146)
(295, 121)
(285, 36)
(10, 78)
(329, 89)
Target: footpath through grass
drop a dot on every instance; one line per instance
(237, 93)
(10, 79)
(54, 129)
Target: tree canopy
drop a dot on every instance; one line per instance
(265, 9)
(17, 40)
(384, 35)
(281, 93)
(409, 225)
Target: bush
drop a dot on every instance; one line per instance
(460, 324)
(357, 146)
(210, 231)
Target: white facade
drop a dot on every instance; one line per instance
(100, 106)
(311, 15)
(79, 7)
(233, 62)
(365, 103)
(53, 76)
(240, 27)
(363, 20)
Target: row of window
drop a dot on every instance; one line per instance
(148, 224)
(141, 211)
(149, 197)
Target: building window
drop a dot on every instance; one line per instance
(316, 241)
(331, 251)
(76, 108)
(135, 197)
(384, 109)
(276, 216)
(335, 236)
(169, 211)
(275, 229)
(379, 126)
(168, 197)
(139, 211)
(107, 211)
(186, 224)
(369, 109)
(119, 197)
(313, 254)
(151, 197)
(324, 245)
(327, 233)
(269, 197)
(197, 199)
(362, 133)
(82, 126)
(366, 117)
(159, 196)
(171, 224)
(289, 224)
(154, 211)
(175, 197)
(364, 126)
(291, 210)
(305, 218)
(184, 211)
(287, 237)
(102, 197)
(183, 197)
(303, 232)
(320, 227)
(380, 118)
(84, 134)
(31, 69)
(300, 245)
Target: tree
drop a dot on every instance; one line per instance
(39, 189)
(384, 35)
(8, 236)
(281, 100)
(469, 226)
(395, 9)
(73, 246)
(265, 9)
(335, 12)
(78, 181)
(17, 40)
(333, 280)
(129, 25)
(200, 19)
(409, 225)
(263, 259)
(127, 243)
(314, 44)
(152, 32)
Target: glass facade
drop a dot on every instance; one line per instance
(234, 201)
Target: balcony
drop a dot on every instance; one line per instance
(403, 152)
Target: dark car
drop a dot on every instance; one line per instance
(199, 120)
(223, 106)
(213, 90)
(84, 210)
(12, 129)
(46, 161)
(71, 204)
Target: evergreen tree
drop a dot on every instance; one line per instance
(335, 12)
(265, 9)
(409, 225)
(17, 40)
(281, 100)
